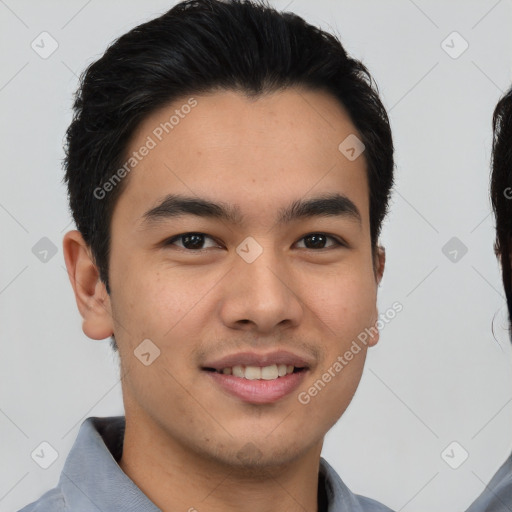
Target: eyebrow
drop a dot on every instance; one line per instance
(175, 205)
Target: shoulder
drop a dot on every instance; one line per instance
(497, 495)
(51, 501)
(341, 498)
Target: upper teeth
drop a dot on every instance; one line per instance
(256, 372)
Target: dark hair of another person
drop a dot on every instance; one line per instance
(203, 46)
(501, 189)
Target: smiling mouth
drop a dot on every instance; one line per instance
(271, 372)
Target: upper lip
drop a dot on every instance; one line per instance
(255, 359)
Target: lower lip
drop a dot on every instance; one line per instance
(259, 391)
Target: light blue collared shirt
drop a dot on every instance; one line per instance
(497, 496)
(92, 480)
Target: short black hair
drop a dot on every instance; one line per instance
(201, 46)
(501, 189)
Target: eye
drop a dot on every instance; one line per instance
(318, 240)
(191, 241)
(195, 241)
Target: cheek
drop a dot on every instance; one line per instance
(345, 305)
(169, 312)
(148, 299)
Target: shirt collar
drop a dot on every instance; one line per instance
(92, 477)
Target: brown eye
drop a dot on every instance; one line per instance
(318, 241)
(190, 241)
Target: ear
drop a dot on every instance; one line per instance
(91, 295)
(379, 263)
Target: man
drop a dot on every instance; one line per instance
(497, 496)
(229, 168)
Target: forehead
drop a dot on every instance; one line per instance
(256, 154)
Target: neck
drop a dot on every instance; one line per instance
(175, 477)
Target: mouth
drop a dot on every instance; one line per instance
(258, 378)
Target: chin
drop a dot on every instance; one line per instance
(258, 456)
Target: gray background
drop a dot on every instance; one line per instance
(437, 375)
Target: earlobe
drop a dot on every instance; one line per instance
(373, 331)
(91, 296)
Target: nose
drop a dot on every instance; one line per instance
(261, 296)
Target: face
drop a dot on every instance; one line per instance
(247, 284)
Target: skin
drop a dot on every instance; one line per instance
(184, 436)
